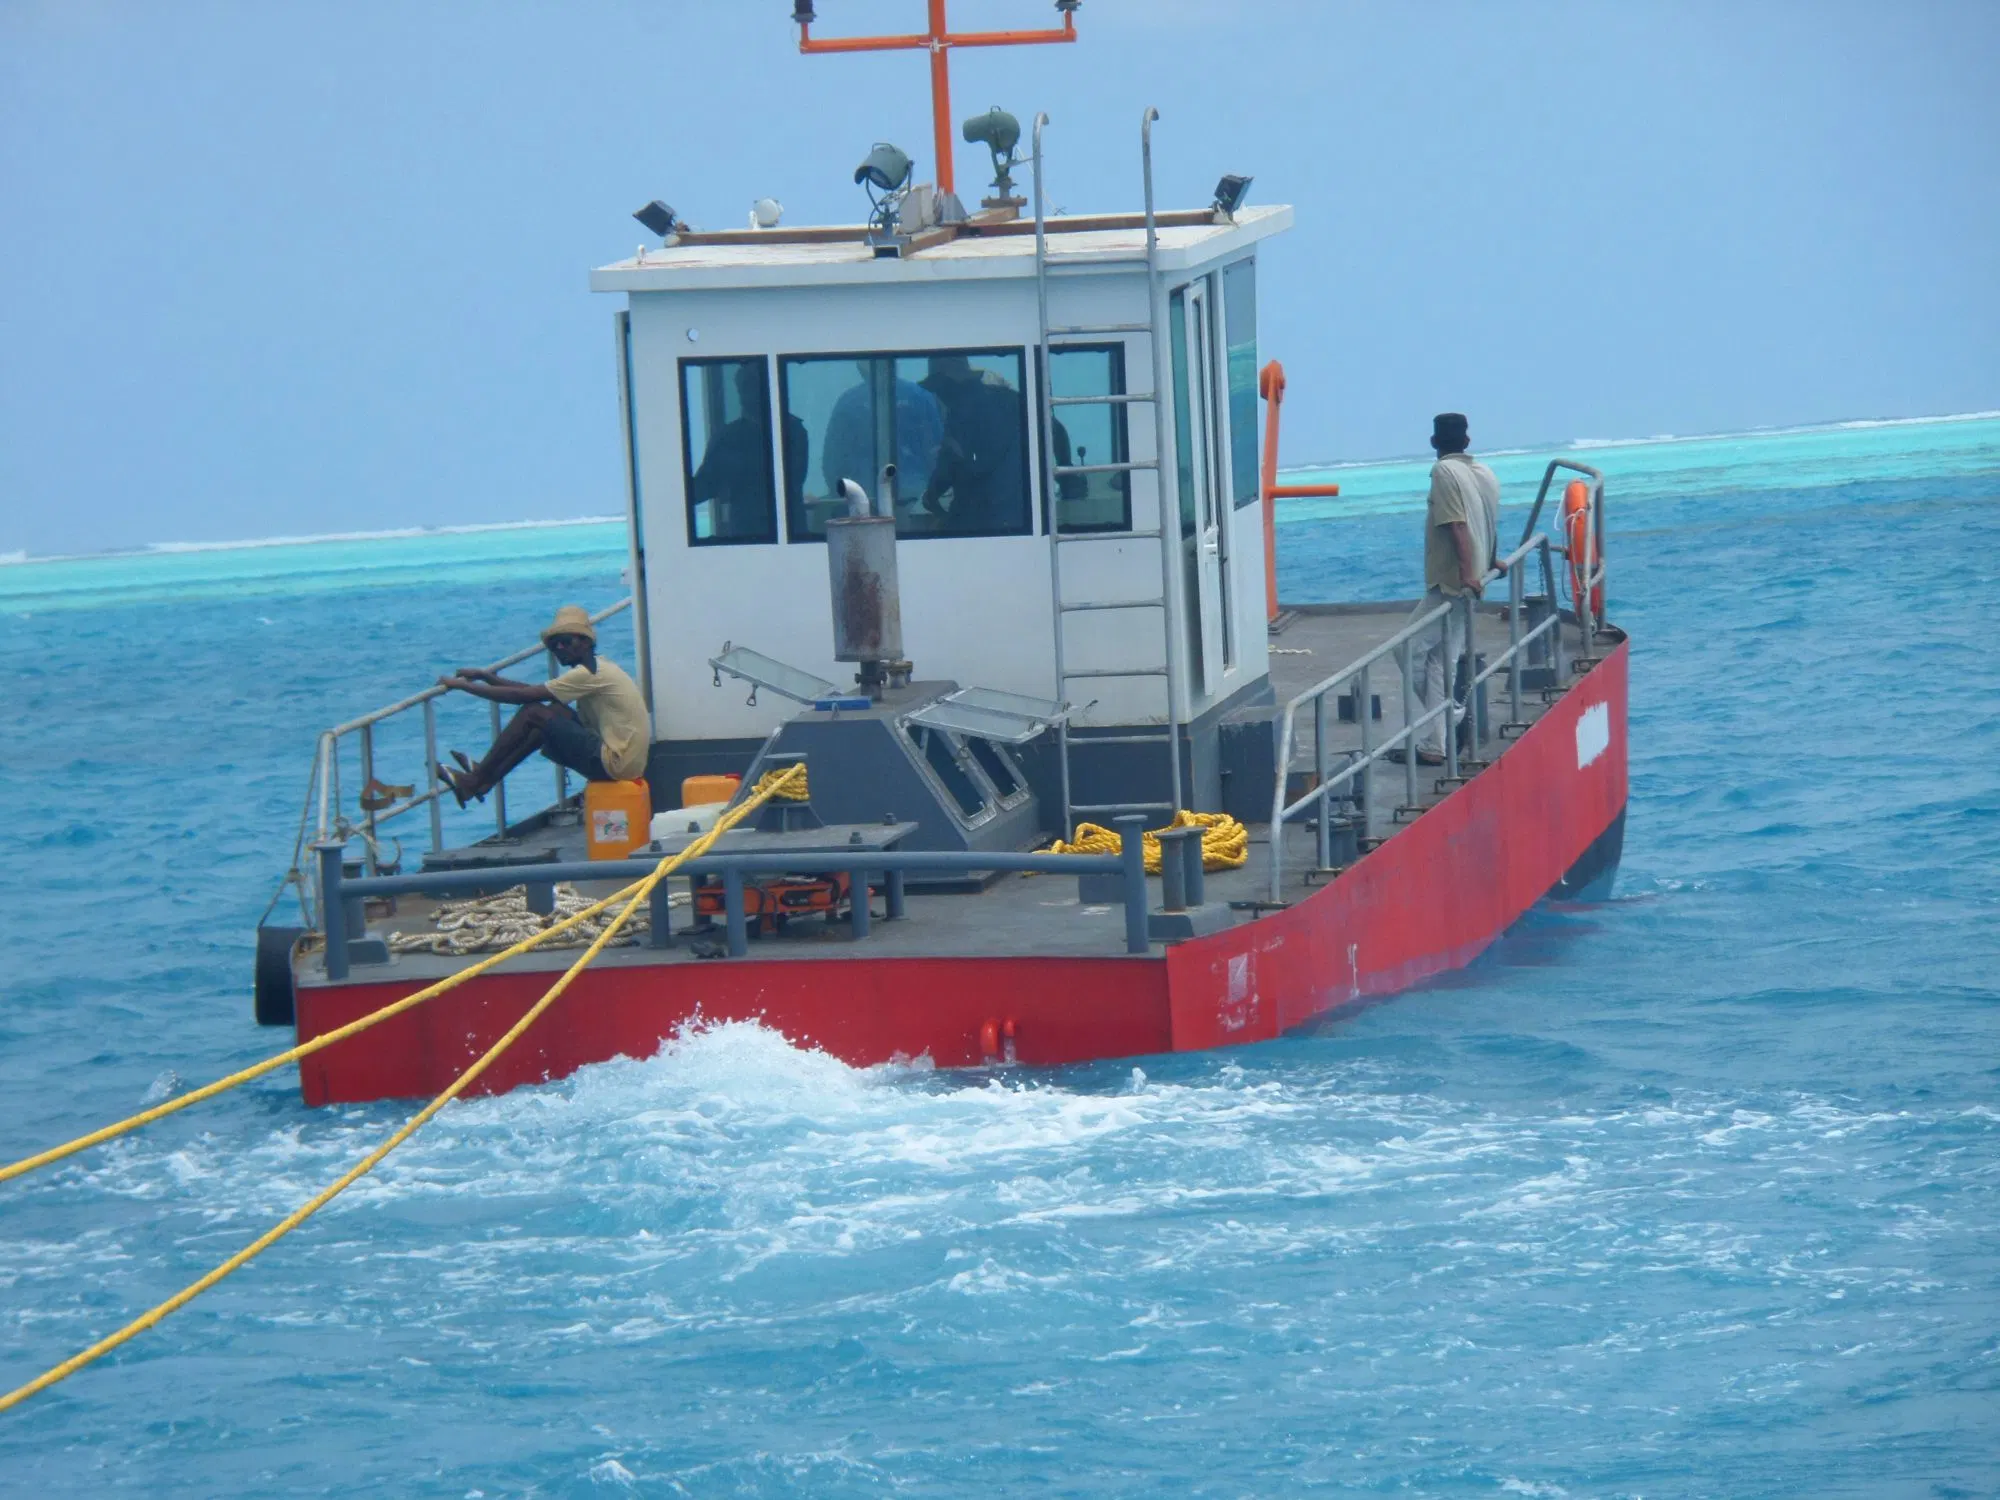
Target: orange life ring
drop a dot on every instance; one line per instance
(1576, 522)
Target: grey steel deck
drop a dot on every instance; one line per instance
(1041, 915)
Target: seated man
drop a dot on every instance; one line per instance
(604, 737)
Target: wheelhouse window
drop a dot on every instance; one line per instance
(1088, 434)
(730, 476)
(1239, 331)
(954, 423)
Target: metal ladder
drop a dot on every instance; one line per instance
(1055, 338)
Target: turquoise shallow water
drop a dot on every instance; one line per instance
(1694, 1192)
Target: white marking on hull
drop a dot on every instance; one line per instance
(1593, 733)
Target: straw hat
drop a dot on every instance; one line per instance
(571, 619)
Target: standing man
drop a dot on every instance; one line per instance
(589, 717)
(1461, 533)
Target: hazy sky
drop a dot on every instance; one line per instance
(285, 268)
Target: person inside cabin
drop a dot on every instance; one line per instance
(589, 717)
(1461, 535)
(735, 472)
(980, 464)
(851, 430)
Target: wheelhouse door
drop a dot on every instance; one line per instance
(1197, 441)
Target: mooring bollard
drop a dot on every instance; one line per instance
(732, 912)
(857, 902)
(660, 917)
(1173, 867)
(1131, 831)
(1197, 877)
(332, 907)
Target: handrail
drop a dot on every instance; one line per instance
(323, 785)
(341, 907)
(403, 705)
(1592, 571)
(1327, 781)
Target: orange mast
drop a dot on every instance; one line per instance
(938, 41)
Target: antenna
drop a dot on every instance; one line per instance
(938, 41)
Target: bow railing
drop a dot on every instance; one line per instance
(378, 802)
(1330, 784)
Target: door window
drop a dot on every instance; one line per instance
(1091, 434)
(726, 448)
(1239, 322)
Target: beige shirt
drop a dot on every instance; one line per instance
(1462, 489)
(609, 704)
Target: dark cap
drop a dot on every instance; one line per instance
(1449, 432)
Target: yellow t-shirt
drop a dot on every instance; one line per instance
(609, 704)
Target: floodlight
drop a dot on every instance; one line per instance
(660, 218)
(999, 132)
(1230, 193)
(887, 168)
(802, 13)
(1068, 7)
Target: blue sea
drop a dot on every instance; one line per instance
(1695, 1192)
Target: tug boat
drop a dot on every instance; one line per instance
(971, 513)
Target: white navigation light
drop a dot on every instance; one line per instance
(1230, 193)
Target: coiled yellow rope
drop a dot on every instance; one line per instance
(639, 893)
(779, 784)
(1225, 843)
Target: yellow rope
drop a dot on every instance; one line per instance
(306, 1049)
(1225, 843)
(776, 784)
(640, 892)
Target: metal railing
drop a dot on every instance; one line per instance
(325, 820)
(1329, 783)
(342, 910)
(1592, 569)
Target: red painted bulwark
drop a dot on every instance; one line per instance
(1432, 897)
(859, 1010)
(1429, 900)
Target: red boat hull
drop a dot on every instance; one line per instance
(1546, 816)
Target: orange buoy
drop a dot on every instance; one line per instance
(1576, 524)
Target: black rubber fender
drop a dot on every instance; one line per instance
(273, 988)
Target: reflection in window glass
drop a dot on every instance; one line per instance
(1239, 324)
(726, 445)
(1183, 415)
(954, 422)
(1092, 434)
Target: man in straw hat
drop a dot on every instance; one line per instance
(589, 717)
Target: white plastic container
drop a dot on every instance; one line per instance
(698, 819)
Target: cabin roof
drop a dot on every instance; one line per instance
(984, 249)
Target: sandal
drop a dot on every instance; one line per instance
(450, 779)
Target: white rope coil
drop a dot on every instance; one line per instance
(487, 924)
